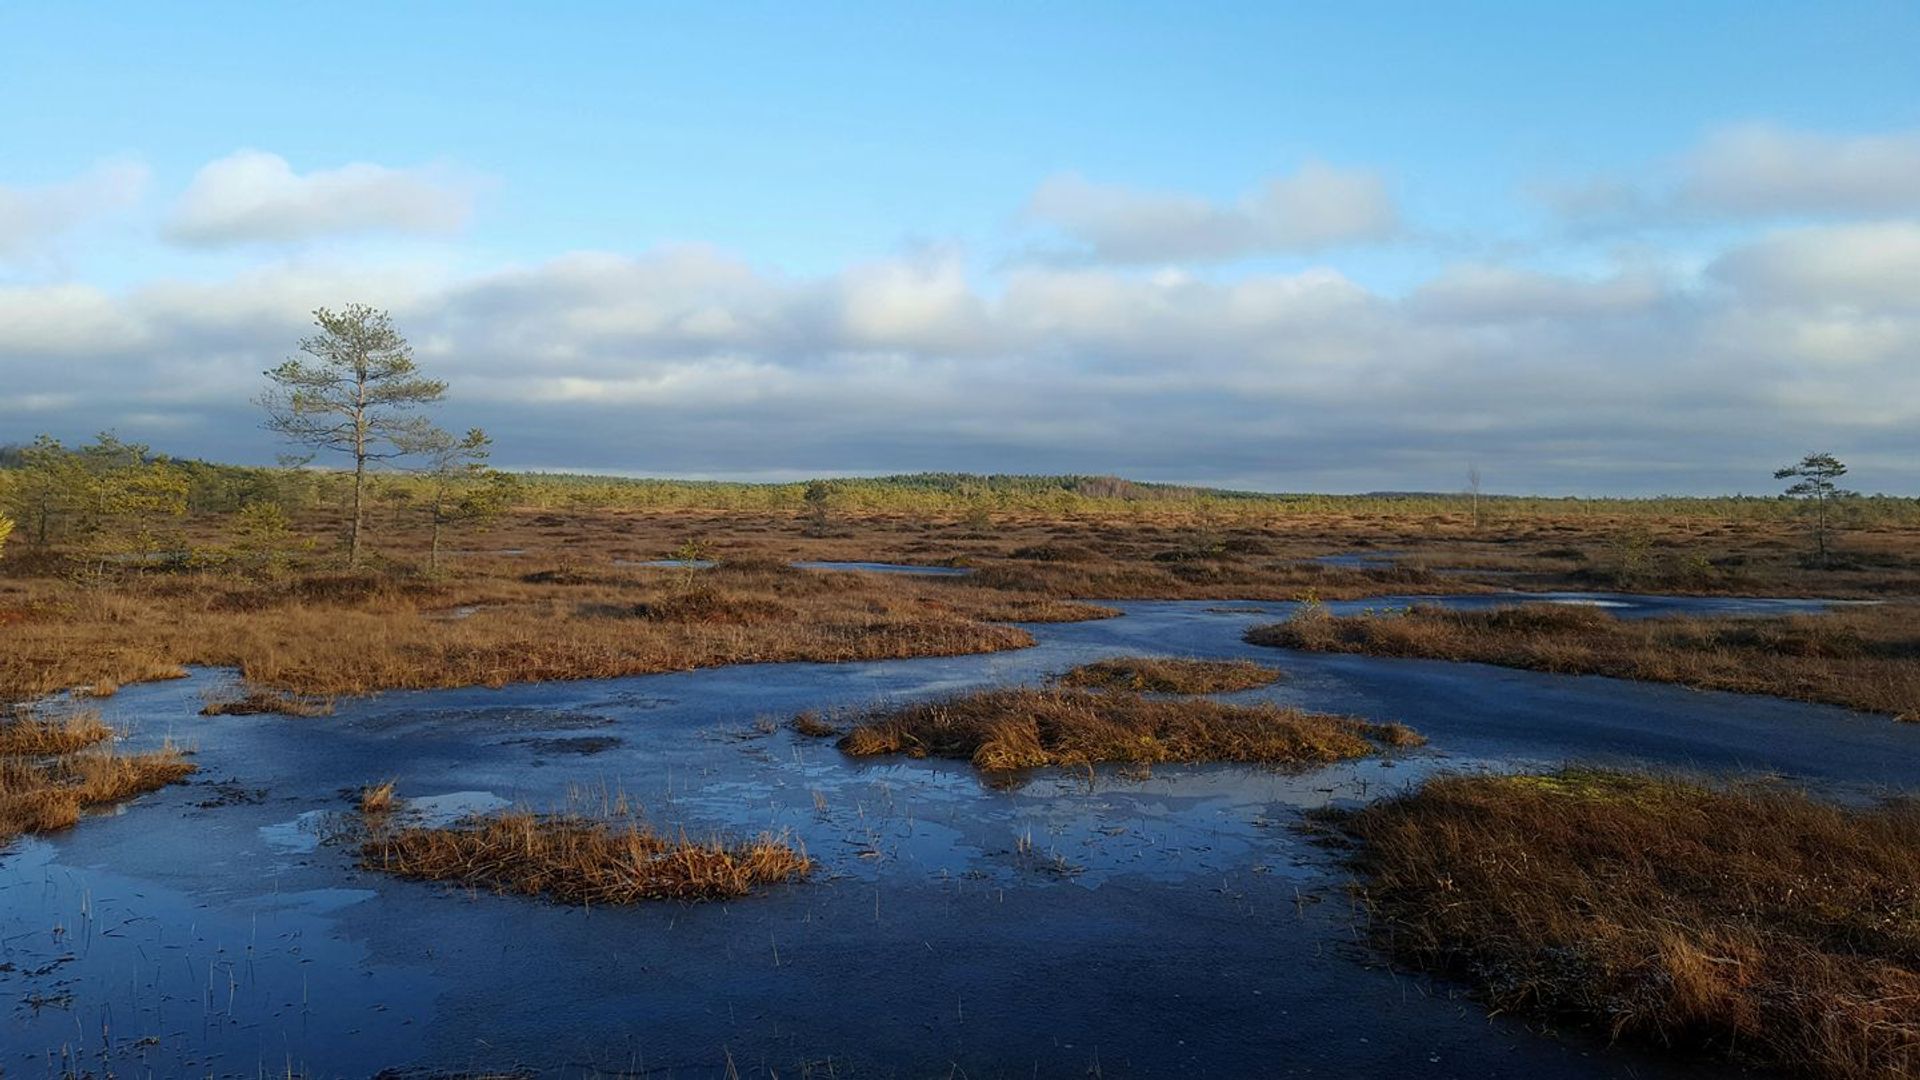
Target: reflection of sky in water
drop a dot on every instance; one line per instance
(942, 818)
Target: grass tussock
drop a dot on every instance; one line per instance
(1167, 675)
(1024, 728)
(1752, 924)
(580, 860)
(31, 734)
(257, 702)
(813, 725)
(1866, 658)
(1028, 610)
(47, 794)
(714, 607)
(377, 800)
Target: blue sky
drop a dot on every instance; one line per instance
(1285, 246)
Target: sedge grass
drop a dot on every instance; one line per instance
(1025, 728)
(576, 859)
(1747, 923)
(1169, 675)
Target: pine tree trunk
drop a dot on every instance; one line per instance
(359, 465)
(359, 509)
(1820, 532)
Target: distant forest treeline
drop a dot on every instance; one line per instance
(214, 488)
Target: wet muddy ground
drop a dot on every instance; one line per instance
(1093, 923)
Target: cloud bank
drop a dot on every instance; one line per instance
(33, 217)
(1757, 171)
(1318, 207)
(255, 197)
(689, 360)
(1764, 169)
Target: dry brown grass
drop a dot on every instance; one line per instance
(565, 610)
(1747, 923)
(256, 702)
(614, 623)
(1024, 728)
(1862, 658)
(1020, 609)
(581, 860)
(813, 725)
(29, 733)
(377, 800)
(49, 793)
(1169, 675)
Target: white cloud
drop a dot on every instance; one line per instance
(1862, 266)
(1755, 172)
(926, 304)
(1318, 207)
(1479, 293)
(31, 217)
(1593, 198)
(47, 323)
(252, 196)
(1762, 169)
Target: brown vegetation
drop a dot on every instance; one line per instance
(377, 800)
(546, 596)
(1861, 658)
(576, 859)
(1748, 923)
(1169, 675)
(51, 771)
(1023, 728)
(254, 702)
(813, 725)
(30, 734)
(323, 642)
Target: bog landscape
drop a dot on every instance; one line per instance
(1311, 633)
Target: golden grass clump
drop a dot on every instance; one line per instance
(1032, 610)
(1023, 728)
(1746, 922)
(1167, 675)
(581, 860)
(813, 725)
(256, 702)
(377, 799)
(28, 733)
(1864, 658)
(46, 794)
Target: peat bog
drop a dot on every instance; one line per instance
(325, 827)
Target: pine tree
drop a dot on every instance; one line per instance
(354, 393)
(1814, 479)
